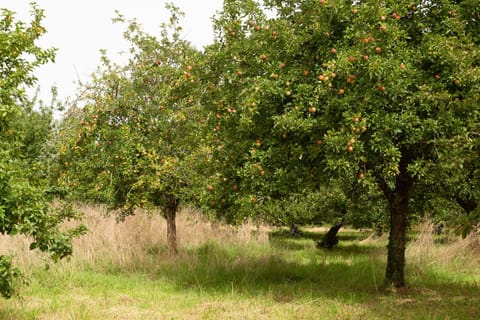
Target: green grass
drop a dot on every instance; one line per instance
(285, 278)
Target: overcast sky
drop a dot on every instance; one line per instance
(79, 29)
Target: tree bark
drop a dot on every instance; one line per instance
(330, 239)
(171, 213)
(397, 241)
(398, 207)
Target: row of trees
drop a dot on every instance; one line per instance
(300, 111)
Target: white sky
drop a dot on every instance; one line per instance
(80, 28)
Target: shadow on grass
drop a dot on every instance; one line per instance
(310, 274)
(282, 239)
(352, 275)
(318, 235)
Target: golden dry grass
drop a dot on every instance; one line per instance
(136, 242)
(453, 253)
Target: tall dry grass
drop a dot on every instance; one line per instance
(138, 242)
(449, 252)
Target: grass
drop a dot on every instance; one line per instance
(122, 271)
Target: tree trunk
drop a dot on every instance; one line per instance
(330, 239)
(171, 213)
(294, 230)
(398, 207)
(397, 241)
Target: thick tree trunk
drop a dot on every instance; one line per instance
(330, 239)
(397, 241)
(398, 206)
(171, 213)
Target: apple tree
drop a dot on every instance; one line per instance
(24, 206)
(129, 139)
(367, 93)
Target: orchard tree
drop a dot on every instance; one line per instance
(130, 138)
(375, 92)
(24, 207)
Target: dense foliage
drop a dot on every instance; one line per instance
(24, 206)
(130, 142)
(369, 94)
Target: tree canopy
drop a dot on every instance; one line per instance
(24, 204)
(372, 93)
(131, 139)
